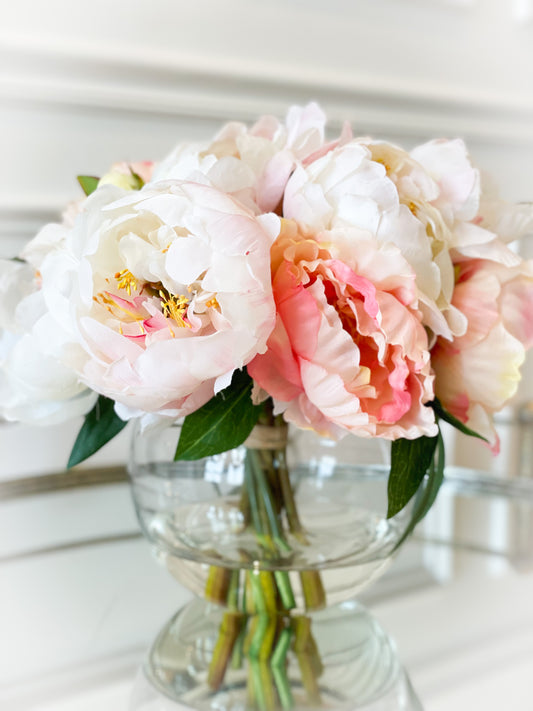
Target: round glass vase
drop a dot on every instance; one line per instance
(306, 511)
(274, 538)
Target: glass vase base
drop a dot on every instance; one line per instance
(208, 659)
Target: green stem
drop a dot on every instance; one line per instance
(258, 597)
(285, 589)
(289, 502)
(266, 522)
(279, 672)
(268, 466)
(248, 602)
(308, 659)
(263, 638)
(259, 518)
(270, 591)
(233, 590)
(263, 688)
(230, 629)
(237, 654)
(217, 585)
(313, 589)
(268, 503)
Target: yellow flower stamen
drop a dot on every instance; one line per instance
(213, 302)
(174, 307)
(126, 280)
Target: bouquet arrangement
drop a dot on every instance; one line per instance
(354, 286)
(272, 276)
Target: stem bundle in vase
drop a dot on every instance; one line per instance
(259, 626)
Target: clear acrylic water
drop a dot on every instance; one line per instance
(343, 517)
(195, 521)
(359, 664)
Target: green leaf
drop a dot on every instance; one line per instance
(427, 496)
(451, 420)
(222, 423)
(88, 183)
(101, 424)
(139, 181)
(410, 460)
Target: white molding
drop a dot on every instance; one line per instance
(68, 80)
(88, 77)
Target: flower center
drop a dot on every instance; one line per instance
(174, 306)
(139, 308)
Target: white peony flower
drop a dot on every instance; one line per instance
(164, 292)
(252, 164)
(35, 387)
(376, 190)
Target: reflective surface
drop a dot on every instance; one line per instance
(81, 601)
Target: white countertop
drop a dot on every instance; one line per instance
(78, 615)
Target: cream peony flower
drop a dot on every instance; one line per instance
(477, 225)
(164, 292)
(35, 387)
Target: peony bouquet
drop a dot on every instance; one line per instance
(272, 276)
(345, 286)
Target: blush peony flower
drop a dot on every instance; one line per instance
(35, 387)
(376, 190)
(477, 373)
(348, 352)
(253, 164)
(164, 292)
(425, 202)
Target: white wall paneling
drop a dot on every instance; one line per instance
(84, 86)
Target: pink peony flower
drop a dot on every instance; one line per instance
(477, 373)
(164, 292)
(348, 352)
